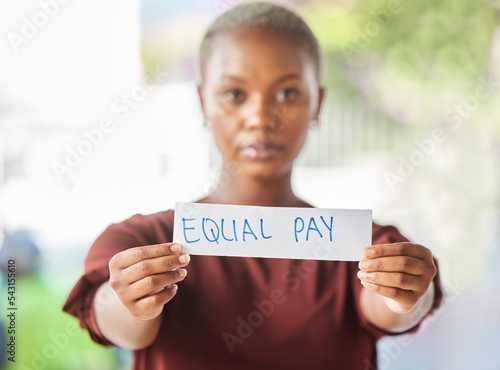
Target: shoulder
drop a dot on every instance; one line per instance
(136, 231)
(151, 222)
(144, 229)
(385, 234)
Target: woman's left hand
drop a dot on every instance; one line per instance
(401, 272)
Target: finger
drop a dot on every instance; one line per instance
(391, 279)
(397, 249)
(150, 284)
(404, 297)
(154, 266)
(133, 255)
(150, 306)
(408, 265)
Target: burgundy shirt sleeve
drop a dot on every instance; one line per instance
(386, 235)
(131, 233)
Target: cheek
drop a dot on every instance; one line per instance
(297, 129)
(299, 138)
(221, 122)
(286, 118)
(296, 120)
(223, 133)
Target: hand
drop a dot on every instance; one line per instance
(401, 272)
(144, 277)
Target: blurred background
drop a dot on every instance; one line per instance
(99, 120)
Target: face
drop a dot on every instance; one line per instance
(259, 93)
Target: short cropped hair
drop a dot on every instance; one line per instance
(264, 15)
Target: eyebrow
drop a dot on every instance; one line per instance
(281, 79)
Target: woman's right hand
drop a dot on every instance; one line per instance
(144, 277)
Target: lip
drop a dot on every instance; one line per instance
(260, 151)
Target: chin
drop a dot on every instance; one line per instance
(265, 171)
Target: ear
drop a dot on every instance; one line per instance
(321, 96)
(200, 95)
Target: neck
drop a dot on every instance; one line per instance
(236, 189)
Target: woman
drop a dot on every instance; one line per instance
(260, 93)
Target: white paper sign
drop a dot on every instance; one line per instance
(247, 231)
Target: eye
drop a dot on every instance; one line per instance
(287, 95)
(234, 96)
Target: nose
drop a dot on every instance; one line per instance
(258, 113)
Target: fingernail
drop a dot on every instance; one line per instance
(364, 264)
(182, 273)
(176, 248)
(368, 285)
(156, 291)
(369, 252)
(184, 258)
(362, 274)
(174, 288)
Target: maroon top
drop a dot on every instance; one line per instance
(242, 312)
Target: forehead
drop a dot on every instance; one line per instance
(256, 53)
